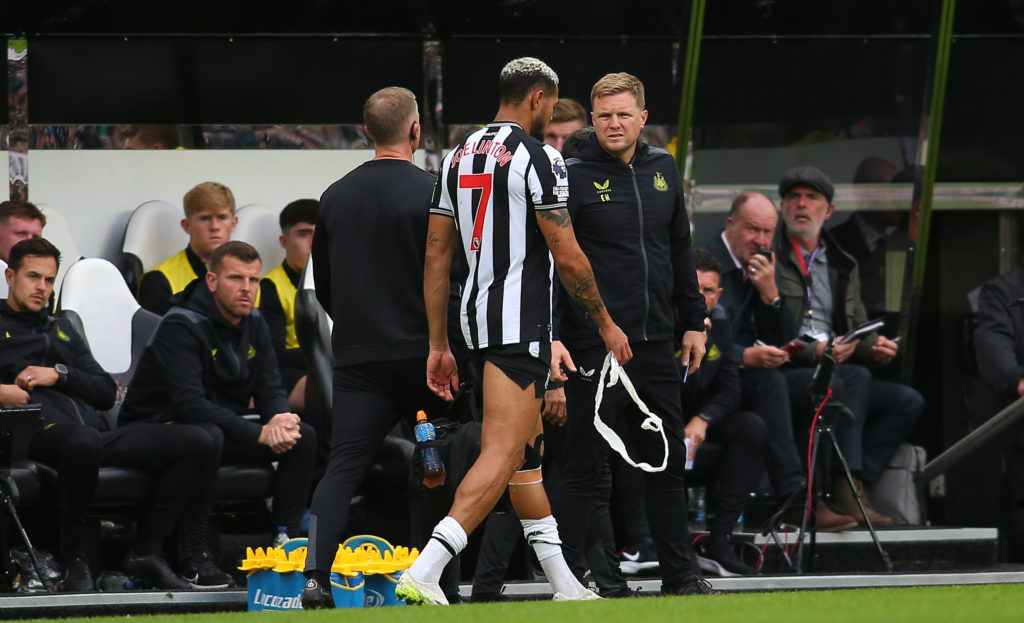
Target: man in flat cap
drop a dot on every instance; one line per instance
(820, 288)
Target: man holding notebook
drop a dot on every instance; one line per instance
(820, 289)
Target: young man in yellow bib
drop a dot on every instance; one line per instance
(209, 220)
(278, 288)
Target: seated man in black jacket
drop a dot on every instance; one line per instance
(711, 400)
(210, 358)
(44, 361)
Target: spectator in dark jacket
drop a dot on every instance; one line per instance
(820, 289)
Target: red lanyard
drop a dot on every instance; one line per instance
(806, 266)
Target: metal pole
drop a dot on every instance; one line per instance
(689, 84)
(961, 449)
(928, 156)
(930, 148)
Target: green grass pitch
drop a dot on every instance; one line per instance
(960, 604)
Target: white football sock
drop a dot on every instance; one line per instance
(542, 535)
(447, 540)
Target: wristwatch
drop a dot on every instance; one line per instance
(776, 302)
(62, 373)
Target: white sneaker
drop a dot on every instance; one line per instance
(412, 591)
(585, 594)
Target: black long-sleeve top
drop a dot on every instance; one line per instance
(201, 368)
(368, 257)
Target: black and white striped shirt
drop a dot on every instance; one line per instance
(491, 185)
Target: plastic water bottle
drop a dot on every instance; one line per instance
(697, 509)
(281, 537)
(433, 468)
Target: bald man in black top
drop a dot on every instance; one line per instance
(368, 253)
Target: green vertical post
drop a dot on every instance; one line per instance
(689, 84)
(931, 147)
(927, 155)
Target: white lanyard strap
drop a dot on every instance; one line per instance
(614, 371)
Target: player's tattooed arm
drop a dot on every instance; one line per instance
(583, 290)
(578, 277)
(559, 216)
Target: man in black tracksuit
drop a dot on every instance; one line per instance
(626, 203)
(368, 253)
(43, 360)
(210, 357)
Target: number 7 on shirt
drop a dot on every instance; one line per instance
(483, 182)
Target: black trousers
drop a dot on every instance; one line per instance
(766, 393)
(74, 451)
(181, 458)
(292, 480)
(656, 375)
(734, 467)
(369, 399)
(742, 435)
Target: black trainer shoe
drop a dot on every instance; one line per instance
(622, 593)
(635, 559)
(155, 569)
(78, 578)
(486, 597)
(715, 554)
(315, 596)
(693, 586)
(202, 573)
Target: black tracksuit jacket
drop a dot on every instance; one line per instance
(631, 222)
(201, 368)
(39, 339)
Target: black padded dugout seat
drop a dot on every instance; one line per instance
(97, 302)
(313, 329)
(152, 235)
